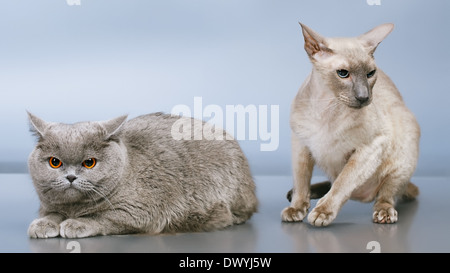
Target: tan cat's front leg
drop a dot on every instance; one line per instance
(302, 164)
(360, 167)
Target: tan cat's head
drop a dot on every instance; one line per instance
(346, 65)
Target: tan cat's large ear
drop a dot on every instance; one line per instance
(315, 44)
(37, 125)
(373, 37)
(113, 126)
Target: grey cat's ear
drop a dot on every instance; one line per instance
(373, 37)
(315, 45)
(113, 126)
(37, 125)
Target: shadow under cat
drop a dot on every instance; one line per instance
(344, 235)
(241, 237)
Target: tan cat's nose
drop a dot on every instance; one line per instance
(362, 99)
(71, 178)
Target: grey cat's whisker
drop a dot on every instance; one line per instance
(58, 185)
(91, 195)
(97, 191)
(46, 190)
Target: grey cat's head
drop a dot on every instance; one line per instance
(76, 163)
(347, 65)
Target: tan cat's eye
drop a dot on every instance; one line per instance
(89, 163)
(371, 73)
(342, 73)
(54, 162)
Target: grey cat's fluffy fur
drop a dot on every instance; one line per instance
(144, 181)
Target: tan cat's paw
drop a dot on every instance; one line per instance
(385, 216)
(72, 228)
(291, 214)
(43, 228)
(320, 216)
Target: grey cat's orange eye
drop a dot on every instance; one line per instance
(342, 73)
(89, 163)
(54, 162)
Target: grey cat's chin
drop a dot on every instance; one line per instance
(72, 193)
(65, 196)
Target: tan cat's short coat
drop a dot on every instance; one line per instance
(349, 119)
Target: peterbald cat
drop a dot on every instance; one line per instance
(121, 177)
(349, 119)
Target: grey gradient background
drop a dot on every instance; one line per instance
(106, 58)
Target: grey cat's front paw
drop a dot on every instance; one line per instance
(43, 228)
(72, 228)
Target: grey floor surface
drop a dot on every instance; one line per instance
(423, 226)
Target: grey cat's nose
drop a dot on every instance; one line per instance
(71, 178)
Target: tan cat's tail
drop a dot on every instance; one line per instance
(410, 193)
(317, 190)
(320, 189)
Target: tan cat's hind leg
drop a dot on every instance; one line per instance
(383, 209)
(411, 192)
(384, 212)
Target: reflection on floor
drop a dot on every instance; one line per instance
(423, 226)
